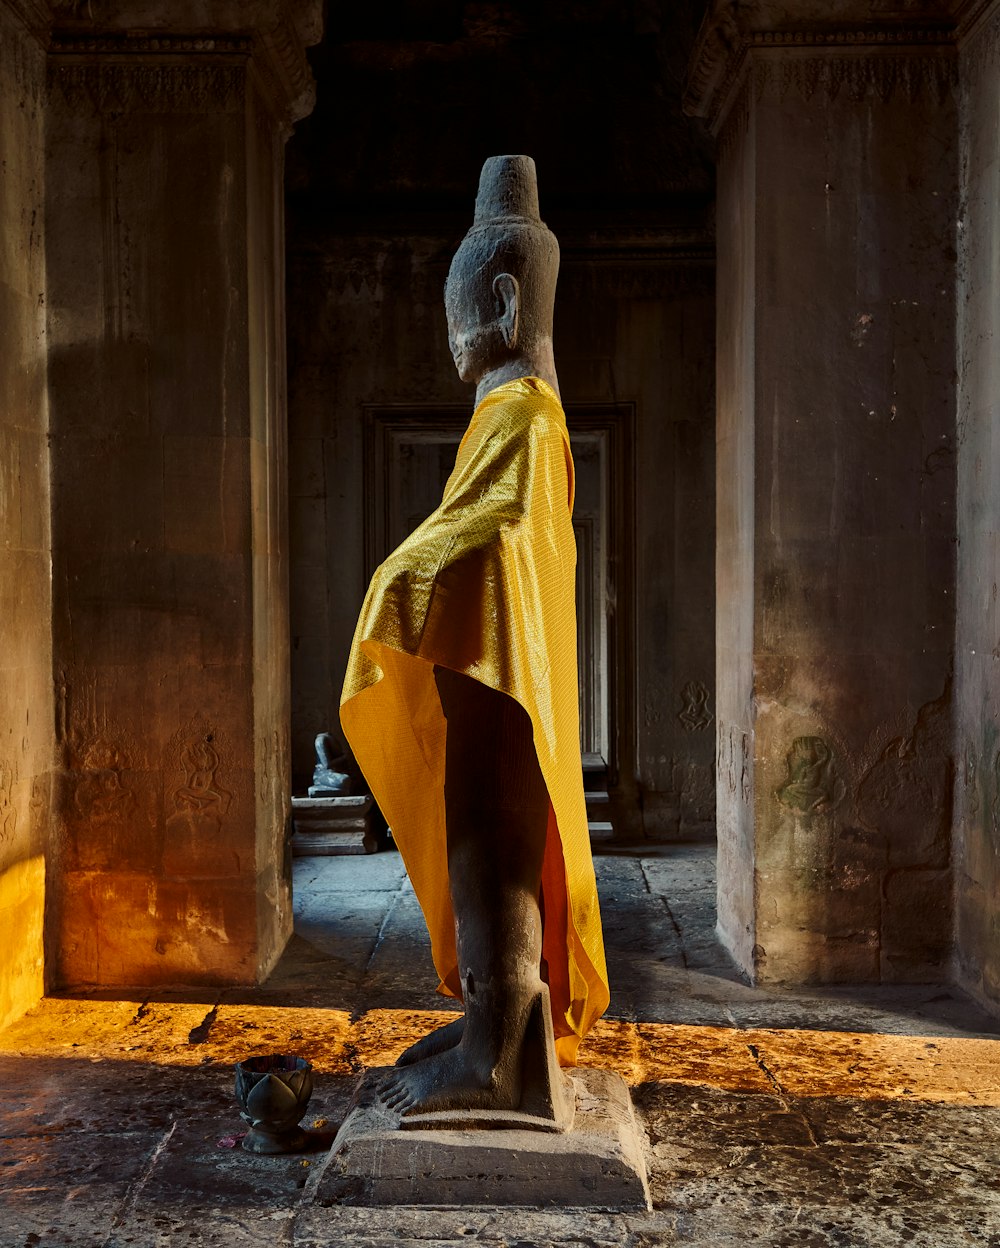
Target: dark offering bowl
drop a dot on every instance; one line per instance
(273, 1093)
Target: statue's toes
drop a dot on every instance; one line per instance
(387, 1088)
(406, 1102)
(395, 1095)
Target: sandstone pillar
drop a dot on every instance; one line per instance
(25, 656)
(977, 666)
(169, 544)
(836, 487)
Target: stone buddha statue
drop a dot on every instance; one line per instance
(460, 703)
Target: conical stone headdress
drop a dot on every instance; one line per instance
(508, 236)
(508, 193)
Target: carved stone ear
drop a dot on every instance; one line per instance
(508, 293)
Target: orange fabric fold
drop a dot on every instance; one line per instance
(486, 586)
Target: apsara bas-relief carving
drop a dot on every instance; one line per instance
(814, 785)
(694, 714)
(652, 702)
(200, 804)
(101, 794)
(199, 761)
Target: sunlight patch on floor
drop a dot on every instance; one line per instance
(799, 1063)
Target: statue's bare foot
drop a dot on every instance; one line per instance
(451, 1080)
(437, 1041)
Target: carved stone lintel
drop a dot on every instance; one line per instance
(121, 86)
(286, 78)
(90, 45)
(877, 62)
(178, 69)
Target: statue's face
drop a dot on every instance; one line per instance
(474, 336)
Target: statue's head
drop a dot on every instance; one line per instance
(502, 283)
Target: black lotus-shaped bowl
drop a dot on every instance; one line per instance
(273, 1093)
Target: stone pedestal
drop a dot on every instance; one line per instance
(600, 1163)
(837, 200)
(333, 825)
(165, 305)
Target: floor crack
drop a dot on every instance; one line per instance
(382, 926)
(132, 1196)
(769, 1074)
(782, 1094)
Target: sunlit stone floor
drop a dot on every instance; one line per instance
(849, 1117)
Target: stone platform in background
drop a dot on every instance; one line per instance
(333, 825)
(599, 1164)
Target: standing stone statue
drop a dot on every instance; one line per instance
(461, 707)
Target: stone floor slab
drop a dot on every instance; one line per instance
(767, 1127)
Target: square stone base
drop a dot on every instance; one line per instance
(333, 825)
(599, 1164)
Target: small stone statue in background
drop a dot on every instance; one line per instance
(328, 779)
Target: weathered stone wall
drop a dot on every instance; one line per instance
(166, 382)
(367, 328)
(837, 202)
(26, 656)
(855, 536)
(977, 660)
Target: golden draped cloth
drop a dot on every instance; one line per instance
(486, 586)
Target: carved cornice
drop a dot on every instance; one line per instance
(854, 78)
(63, 44)
(117, 69)
(122, 86)
(285, 74)
(877, 62)
(858, 78)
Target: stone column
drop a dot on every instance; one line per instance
(837, 199)
(977, 667)
(26, 654)
(165, 298)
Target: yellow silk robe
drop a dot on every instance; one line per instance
(486, 586)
